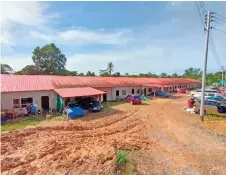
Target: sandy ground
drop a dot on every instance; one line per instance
(161, 137)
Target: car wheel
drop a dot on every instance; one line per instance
(90, 110)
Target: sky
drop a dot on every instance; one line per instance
(138, 37)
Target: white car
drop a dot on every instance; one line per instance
(208, 93)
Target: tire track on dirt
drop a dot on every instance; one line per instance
(71, 146)
(169, 146)
(190, 146)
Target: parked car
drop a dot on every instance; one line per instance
(134, 99)
(221, 99)
(181, 90)
(210, 107)
(90, 104)
(95, 106)
(162, 93)
(208, 92)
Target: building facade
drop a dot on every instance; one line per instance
(19, 90)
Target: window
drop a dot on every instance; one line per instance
(16, 103)
(123, 92)
(132, 91)
(138, 91)
(26, 101)
(117, 93)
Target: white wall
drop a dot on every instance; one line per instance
(109, 95)
(128, 92)
(7, 98)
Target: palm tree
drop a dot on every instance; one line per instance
(110, 68)
(108, 71)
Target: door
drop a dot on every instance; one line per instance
(45, 102)
(105, 97)
(145, 91)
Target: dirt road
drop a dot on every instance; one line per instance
(165, 140)
(184, 147)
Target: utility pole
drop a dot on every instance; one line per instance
(222, 84)
(208, 19)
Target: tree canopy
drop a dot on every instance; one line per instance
(6, 69)
(49, 59)
(29, 70)
(89, 73)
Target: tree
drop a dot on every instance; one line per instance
(66, 73)
(81, 74)
(127, 74)
(163, 75)
(6, 69)
(116, 74)
(192, 73)
(109, 70)
(29, 70)
(104, 74)
(49, 59)
(175, 75)
(90, 73)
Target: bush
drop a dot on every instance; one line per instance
(121, 157)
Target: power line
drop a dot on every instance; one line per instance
(202, 4)
(202, 21)
(211, 42)
(220, 20)
(219, 23)
(220, 15)
(219, 30)
(213, 49)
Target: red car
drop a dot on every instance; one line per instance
(182, 90)
(133, 99)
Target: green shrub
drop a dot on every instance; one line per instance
(121, 157)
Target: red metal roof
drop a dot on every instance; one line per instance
(78, 92)
(104, 89)
(14, 83)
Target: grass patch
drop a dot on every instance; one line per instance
(35, 120)
(124, 163)
(110, 104)
(121, 157)
(215, 117)
(20, 124)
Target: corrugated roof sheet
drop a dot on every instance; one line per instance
(78, 92)
(14, 83)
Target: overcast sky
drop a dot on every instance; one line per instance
(136, 36)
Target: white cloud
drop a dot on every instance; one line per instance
(84, 37)
(40, 36)
(174, 44)
(17, 62)
(15, 15)
(98, 37)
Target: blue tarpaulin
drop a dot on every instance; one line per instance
(220, 83)
(75, 112)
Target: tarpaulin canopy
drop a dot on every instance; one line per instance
(78, 92)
